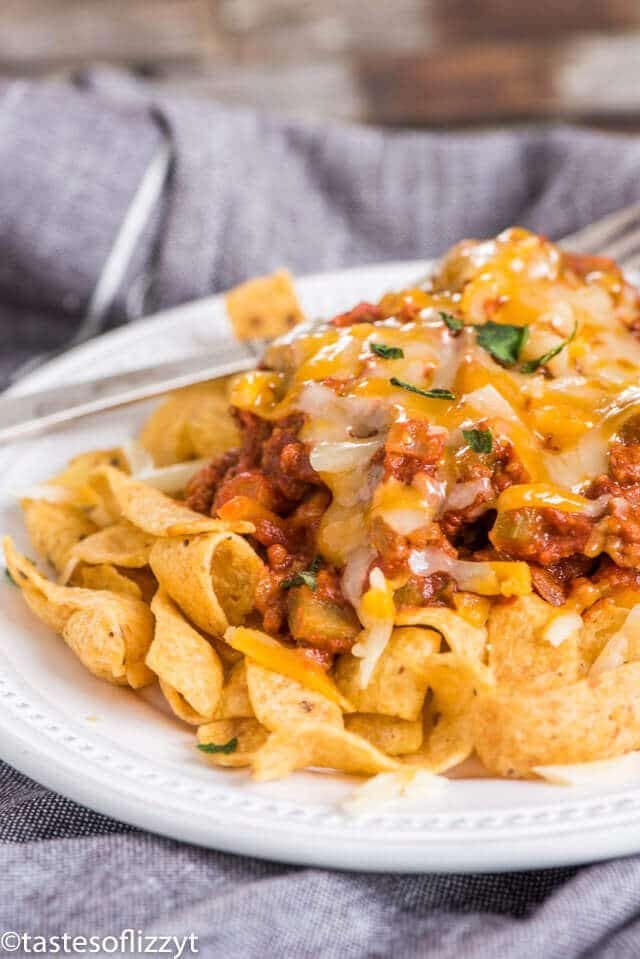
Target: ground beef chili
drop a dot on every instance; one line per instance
(624, 455)
(554, 582)
(541, 536)
(609, 575)
(434, 590)
(202, 487)
(500, 468)
(272, 470)
(272, 466)
(362, 313)
(413, 447)
(285, 460)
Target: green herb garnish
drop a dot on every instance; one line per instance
(306, 578)
(454, 324)
(9, 577)
(503, 341)
(226, 748)
(434, 394)
(531, 366)
(480, 441)
(387, 352)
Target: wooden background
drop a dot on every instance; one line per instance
(412, 62)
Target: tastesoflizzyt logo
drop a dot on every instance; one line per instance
(131, 942)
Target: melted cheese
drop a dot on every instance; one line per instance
(560, 419)
(540, 496)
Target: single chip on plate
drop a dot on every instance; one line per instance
(264, 307)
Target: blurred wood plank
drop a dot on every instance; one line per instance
(293, 29)
(490, 82)
(39, 34)
(498, 20)
(417, 62)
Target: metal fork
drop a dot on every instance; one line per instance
(616, 235)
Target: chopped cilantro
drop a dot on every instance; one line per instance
(480, 441)
(454, 324)
(531, 366)
(10, 578)
(226, 748)
(306, 578)
(387, 352)
(434, 394)
(503, 341)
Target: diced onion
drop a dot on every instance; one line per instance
(464, 494)
(171, 479)
(485, 578)
(615, 652)
(343, 457)
(354, 573)
(607, 772)
(137, 457)
(49, 492)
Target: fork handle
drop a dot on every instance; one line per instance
(21, 415)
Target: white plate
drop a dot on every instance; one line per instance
(121, 754)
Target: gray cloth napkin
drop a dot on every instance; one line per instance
(116, 200)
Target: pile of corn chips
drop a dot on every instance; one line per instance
(150, 591)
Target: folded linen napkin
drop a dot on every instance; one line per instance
(117, 199)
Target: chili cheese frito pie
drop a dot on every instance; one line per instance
(410, 535)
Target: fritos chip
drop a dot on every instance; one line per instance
(237, 741)
(264, 307)
(109, 633)
(235, 702)
(455, 681)
(393, 736)
(191, 423)
(189, 669)
(212, 577)
(78, 470)
(55, 528)
(108, 577)
(150, 510)
(460, 636)
(594, 718)
(399, 683)
(120, 545)
(622, 647)
(312, 743)
(280, 702)
(520, 653)
(601, 622)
